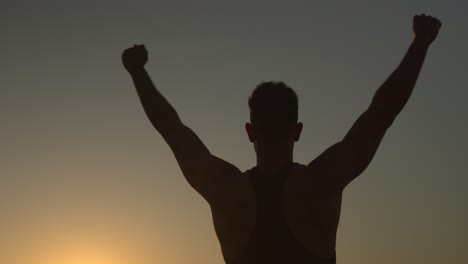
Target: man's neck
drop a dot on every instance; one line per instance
(271, 161)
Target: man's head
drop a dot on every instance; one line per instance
(273, 114)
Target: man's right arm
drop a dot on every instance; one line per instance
(347, 159)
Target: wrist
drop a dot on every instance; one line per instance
(421, 43)
(136, 71)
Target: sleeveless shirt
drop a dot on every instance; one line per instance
(271, 240)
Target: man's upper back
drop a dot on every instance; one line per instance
(312, 193)
(262, 212)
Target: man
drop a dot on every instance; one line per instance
(281, 211)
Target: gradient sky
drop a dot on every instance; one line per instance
(84, 174)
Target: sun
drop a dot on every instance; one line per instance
(84, 256)
(80, 245)
(82, 253)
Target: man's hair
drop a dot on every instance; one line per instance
(273, 109)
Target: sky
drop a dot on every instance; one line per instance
(85, 178)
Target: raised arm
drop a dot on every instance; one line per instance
(347, 159)
(210, 176)
(160, 113)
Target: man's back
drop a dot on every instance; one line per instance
(309, 226)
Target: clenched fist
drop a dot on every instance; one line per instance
(426, 28)
(135, 58)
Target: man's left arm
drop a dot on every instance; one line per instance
(347, 159)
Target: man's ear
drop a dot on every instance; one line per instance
(250, 132)
(297, 134)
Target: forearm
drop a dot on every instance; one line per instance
(394, 93)
(161, 114)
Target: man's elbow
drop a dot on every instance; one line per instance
(383, 117)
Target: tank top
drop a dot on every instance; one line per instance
(272, 241)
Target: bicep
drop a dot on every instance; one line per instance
(206, 173)
(344, 161)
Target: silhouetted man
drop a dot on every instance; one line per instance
(280, 211)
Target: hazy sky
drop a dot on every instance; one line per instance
(85, 176)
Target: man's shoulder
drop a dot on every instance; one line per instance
(232, 185)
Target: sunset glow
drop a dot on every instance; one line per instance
(79, 253)
(82, 255)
